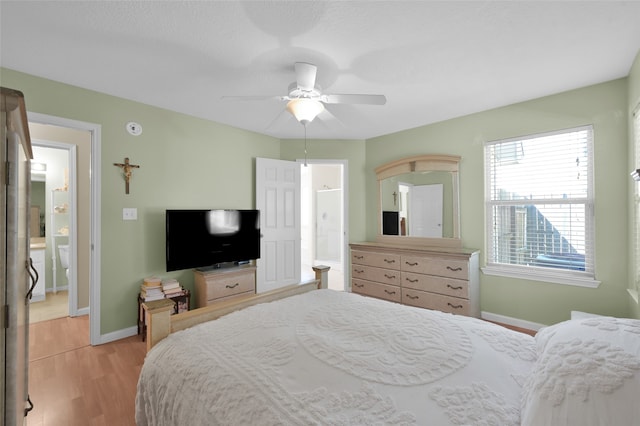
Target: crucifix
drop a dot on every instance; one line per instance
(126, 169)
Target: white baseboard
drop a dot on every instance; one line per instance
(83, 311)
(117, 335)
(516, 322)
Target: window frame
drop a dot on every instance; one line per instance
(635, 129)
(535, 273)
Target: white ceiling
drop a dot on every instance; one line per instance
(434, 60)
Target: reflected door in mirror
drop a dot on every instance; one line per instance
(425, 204)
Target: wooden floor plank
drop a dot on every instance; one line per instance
(72, 383)
(56, 336)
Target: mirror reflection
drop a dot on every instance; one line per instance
(418, 204)
(418, 199)
(36, 218)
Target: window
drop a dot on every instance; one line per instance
(539, 207)
(636, 144)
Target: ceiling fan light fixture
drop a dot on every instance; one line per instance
(305, 110)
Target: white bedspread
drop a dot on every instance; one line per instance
(335, 358)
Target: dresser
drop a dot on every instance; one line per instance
(216, 285)
(445, 279)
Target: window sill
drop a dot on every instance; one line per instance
(541, 275)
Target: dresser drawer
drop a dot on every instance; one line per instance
(441, 267)
(434, 301)
(385, 276)
(230, 285)
(435, 284)
(222, 299)
(381, 260)
(381, 291)
(221, 284)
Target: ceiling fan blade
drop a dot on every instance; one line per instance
(281, 120)
(329, 120)
(306, 75)
(252, 98)
(355, 99)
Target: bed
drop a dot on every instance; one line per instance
(337, 358)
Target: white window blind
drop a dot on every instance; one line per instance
(539, 205)
(636, 136)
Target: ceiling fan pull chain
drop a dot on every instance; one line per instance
(305, 144)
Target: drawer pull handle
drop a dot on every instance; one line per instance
(454, 288)
(454, 269)
(391, 277)
(390, 260)
(454, 306)
(413, 263)
(389, 291)
(358, 257)
(358, 285)
(413, 297)
(358, 271)
(412, 281)
(232, 286)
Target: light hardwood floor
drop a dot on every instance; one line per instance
(72, 383)
(54, 306)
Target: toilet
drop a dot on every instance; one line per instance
(63, 250)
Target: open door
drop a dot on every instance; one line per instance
(426, 211)
(15, 272)
(278, 199)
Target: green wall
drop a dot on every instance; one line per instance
(604, 106)
(189, 162)
(185, 162)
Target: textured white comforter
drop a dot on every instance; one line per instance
(335, 358)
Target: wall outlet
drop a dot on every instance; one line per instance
(129, 214)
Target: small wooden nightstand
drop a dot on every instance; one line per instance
(182, 304)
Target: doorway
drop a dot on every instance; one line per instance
(84, 253)
(323, 224)
(53, 229)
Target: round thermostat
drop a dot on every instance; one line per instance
(134, 128)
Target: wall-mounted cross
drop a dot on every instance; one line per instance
(126, 169)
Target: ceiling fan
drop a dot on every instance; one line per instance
(305, 98)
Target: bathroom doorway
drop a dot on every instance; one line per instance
(53, 229)
(323, 224)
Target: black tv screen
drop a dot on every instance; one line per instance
(209, 238)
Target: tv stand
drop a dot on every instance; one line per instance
(217, 284)
(217, 266)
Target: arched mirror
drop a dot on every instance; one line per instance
(418, 201)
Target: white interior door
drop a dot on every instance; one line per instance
(278, 199)
(426, 211)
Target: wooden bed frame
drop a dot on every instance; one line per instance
(160, 322)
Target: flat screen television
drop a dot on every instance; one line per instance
(211, 238)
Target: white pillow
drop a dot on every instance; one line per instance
(587, 373)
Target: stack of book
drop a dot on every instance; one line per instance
(151, 289)
(172, 288)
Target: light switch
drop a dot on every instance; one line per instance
(129, 214)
